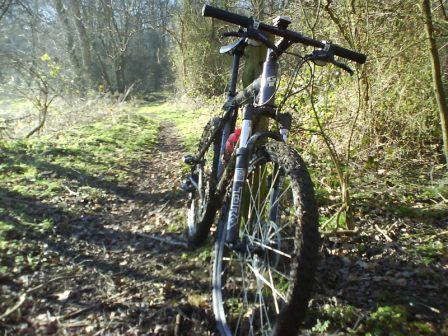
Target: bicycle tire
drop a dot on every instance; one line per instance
(201, 213)
(235, 289)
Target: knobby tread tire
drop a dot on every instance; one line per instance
(293, 314)
(208, 217)
(305, 263)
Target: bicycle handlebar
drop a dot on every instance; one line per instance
(246, 22)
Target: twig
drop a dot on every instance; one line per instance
(444, 199)
(178, 325)
(337, 232)
(163, 240)
(23, 296)
(384, 233)
(443, 233)
(20, 200)
(360, 318)
(79, 312)
(164, 205)
(71, 192)
(31, 290)
(157, 312)
(16, 119)
(76, 324)
(128, 91)
(324, 225)
(19, 303)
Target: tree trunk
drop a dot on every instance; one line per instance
(253, 67)
(436, 74)
(84, 39)
(43, 111)
(71, 50)
(119, 73)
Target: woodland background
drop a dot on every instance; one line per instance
(72, 49)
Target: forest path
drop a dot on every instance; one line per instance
(124, 270)
(95, 243)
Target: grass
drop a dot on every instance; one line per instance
(189, 122)
(39, 167)
(384, 321)
(48, 179)
(14, 106)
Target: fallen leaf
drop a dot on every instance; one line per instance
(63, 296)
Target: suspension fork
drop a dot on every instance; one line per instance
(239, 177)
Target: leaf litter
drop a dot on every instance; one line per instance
(116, 264)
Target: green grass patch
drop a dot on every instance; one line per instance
(41, 167)
(189, 122)
(394, 321)
(45, 181)
(428, 252)
(384, 321)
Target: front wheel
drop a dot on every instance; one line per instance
(262, 284)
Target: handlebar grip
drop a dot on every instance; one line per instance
(349, 54)
(224, 15)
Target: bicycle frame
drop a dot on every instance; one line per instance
(263, 107)
(247, 140)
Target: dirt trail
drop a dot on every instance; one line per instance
(123, 270)
(121, 267)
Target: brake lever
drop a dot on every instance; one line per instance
(323, 57)
(344, 66)
(253, 34)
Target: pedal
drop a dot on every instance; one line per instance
(189, 160)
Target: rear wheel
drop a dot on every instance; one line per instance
(201, 213)
(262, 285)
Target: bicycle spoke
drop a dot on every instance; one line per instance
(272, 249)
(274, 295)
(275, 202)
(267, 283)
(253, 199)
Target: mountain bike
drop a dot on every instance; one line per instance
(267, 239)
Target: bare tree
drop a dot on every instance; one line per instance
(436, 73)
(84, 41)
(70, 38)
(4, 6)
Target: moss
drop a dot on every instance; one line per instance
(394, 321)
(428, 252)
